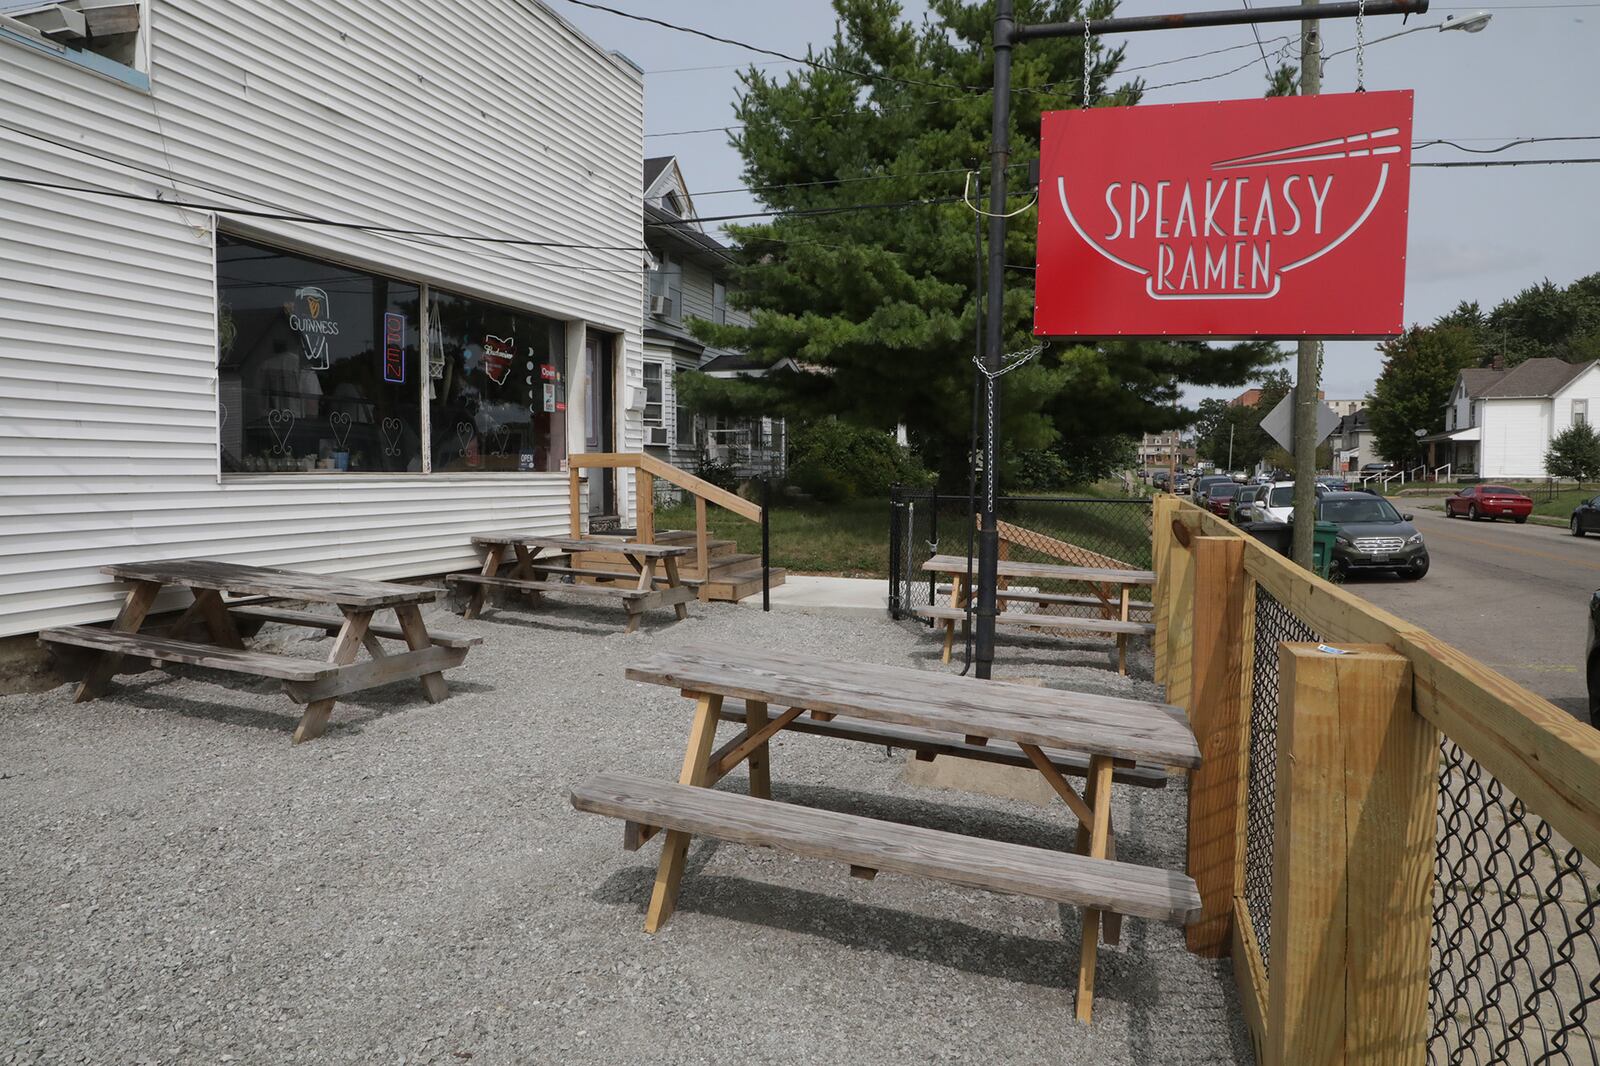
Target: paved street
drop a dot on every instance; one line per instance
(1514, 596)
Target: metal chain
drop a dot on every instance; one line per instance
(1009, 363)
(1088, 49)
(1361, 46)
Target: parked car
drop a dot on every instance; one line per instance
(1377, 468)
(1218, 498)
(1592, 661)
(1585, 518)
(1372, 535)
(1202, 485)
(1275, 502)
(1489, 501)
(1332, 483)
(1239, 510)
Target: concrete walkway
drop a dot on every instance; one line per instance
(828, 595)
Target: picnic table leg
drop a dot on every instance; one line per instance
(755, 719)
(141, 594)
(208, 603)
(527, 571)
(1100, 801)
(411, 624)
(673, 582)
(491, 568)
(957, 599)
(647, 583)
(675, 850)
(351, 635)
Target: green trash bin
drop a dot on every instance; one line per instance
(1322, 547)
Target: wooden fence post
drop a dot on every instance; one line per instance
(644, 505)
(1180, 614)
(1160, 549)
(1219, 714)
(1352, 863)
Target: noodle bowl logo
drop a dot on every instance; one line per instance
(1235, 235)
(1279, 217)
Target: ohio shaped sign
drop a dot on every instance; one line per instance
(1282, 217)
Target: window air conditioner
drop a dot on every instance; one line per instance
(658, 305)
(657, 437)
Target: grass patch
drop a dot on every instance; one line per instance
(1561, 505)
(843, 539)
(851, 539)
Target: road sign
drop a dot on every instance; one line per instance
(1281, 217)
(1279, 424)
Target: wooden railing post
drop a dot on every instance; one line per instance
(1160, 552)
(1219, 715)
(702, 548)
(644, 505)
(1180, 614)
(574, 498)
(1352, 862)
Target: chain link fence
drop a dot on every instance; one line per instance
(1077, 531)
(1514, 972)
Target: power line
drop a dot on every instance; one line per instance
(815, 211)
(1505, 162)
(1256, 32)
(818, 64)
(1502, 147)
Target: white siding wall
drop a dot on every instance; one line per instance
(1515, 436)
(384, 111)
(1586, 386)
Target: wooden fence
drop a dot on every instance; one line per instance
(1396, 844)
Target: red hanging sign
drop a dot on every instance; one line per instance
(1282, 217)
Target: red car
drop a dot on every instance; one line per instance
(1219, 496)
(1489, 501)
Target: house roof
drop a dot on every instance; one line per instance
(1477, 380)
(1353, 423)
(663, 224)
(654, 167)
(1535, 379)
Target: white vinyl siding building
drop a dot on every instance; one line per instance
(1500, 422)
(113, 416)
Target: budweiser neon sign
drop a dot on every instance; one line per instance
(1263, 218)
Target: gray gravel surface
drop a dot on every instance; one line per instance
(180, 884)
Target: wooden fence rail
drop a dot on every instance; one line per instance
(1355, 797)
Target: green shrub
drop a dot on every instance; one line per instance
(1035, 471)
(833, 461)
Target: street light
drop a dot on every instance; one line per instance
(1474, 23)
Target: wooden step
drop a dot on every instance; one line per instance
(736, 587)
(930, 744)
(330, 624)
(1045, 621)
(167, 650)
(870, 844)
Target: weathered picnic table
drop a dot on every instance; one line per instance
(1059, 734)
(1110, 592)
(317, 685)
(529, 573)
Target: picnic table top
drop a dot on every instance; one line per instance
(266, 581)
(1023, 714)
(583, 544)
(957, 564)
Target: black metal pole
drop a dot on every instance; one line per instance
(1188, 20)
(999, 158)
(766, 543)
(894, 551)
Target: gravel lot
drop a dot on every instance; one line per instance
(180, 884)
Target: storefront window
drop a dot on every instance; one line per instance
(317, 365)
(498, 382)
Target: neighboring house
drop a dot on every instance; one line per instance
(271, 342)
(1352, 443)
(1500, 422)
(1160, 451)
(1345, 407)
(689, 279)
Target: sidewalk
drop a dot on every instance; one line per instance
(828, 595)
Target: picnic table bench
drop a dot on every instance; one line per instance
(317, 685)
(1110, 590)
(1101, 738)
(529, 573)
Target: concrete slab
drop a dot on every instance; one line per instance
(828, 595)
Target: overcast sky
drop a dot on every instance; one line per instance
(1476, 233)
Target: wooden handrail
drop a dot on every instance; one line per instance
(667, 472)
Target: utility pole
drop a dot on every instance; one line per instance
(1230, 447)
(1308, 372)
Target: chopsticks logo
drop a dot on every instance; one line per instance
(309, 318)
(1282, 217)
